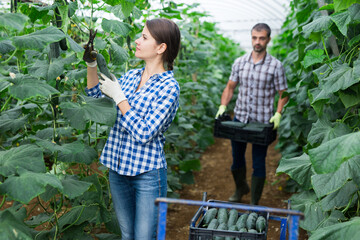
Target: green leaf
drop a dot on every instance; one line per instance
(314, 56)
(27, 87)
(342, 21)
(39, 39)
(341, 77)
(12, 228)
(341, 197)
(117, 27)
(127, 7)
(354, 11)
(73, 187)
(74, 45)
(28, 185)
(306, 202)
(323, 130)
(28, 157)
(100, 110)
(343, 4)
(10, 123)
(298, 168)
(119, 54)
(77, 215)
(77, 152)
(113, 2)
(317, 25)
(350, 96)
(328, 156)
(347, 230)
(335, 217)
(14, 21)
(6, 47)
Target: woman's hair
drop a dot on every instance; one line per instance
(166, 31)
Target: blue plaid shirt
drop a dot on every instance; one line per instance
(136, 141)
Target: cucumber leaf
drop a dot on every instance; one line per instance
(314, 56)
(73, 187)
(298, 168)
(347, 230)
(117, 27)
(15, 21)
(341, 197)
(342, 21)
(328, 156)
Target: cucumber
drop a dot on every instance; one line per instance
(233, 217)
(252, 231)
(63, 44)
(209, 215)
(101, 62)
(251, 221)
(241, 222)
(243, 230)
(213, 224)
(260, 224)
(232, 228)
(223, 215)
(222, 226)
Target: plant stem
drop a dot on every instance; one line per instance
(3, 201)
(11, 56)
(6, 103)
(327, 54)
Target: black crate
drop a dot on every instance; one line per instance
(258, 133)
(197, 232)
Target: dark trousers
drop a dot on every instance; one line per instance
(258, 157)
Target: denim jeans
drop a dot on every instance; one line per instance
(258, 157)
(134, 202)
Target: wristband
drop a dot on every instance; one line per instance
(92, 64)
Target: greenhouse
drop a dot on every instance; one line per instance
(183, 119)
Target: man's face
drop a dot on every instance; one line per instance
(259, 40)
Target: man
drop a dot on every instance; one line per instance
(259, 76)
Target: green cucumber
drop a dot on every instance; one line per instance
(251, 221)
(223, 215)
(233, 217)
(243, 230)
(101, 62)
(241, 222)
(252, 231)
(213, 224)
(260, 224)
(210, 215)
(232, 228)
(222, 226)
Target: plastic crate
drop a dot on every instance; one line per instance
(197, 232)
(258, 133)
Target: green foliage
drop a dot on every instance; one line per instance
(52, 134)
(319, 134)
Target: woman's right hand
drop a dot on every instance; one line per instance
(90, 54)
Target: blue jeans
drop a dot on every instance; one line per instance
(258, 157)
(134, 202)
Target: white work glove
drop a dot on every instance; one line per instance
(221, 111)
(276, 120)
(112, 88)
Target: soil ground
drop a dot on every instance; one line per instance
(215, 178)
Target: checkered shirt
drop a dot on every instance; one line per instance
(258, 84)
(136, 141)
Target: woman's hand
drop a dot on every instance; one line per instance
(112, 88)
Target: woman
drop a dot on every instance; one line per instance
(147, 100)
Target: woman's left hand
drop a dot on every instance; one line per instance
(112, 88)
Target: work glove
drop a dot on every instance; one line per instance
(90, 54)
(112, 88)
(221, 111)
(276, 120)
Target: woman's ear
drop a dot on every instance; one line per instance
(161, 48)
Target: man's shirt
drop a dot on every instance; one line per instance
(258, 84)
(136, 141)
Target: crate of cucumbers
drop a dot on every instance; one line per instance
(258, 133)
(229, 224)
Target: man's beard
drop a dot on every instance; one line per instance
(258, 48)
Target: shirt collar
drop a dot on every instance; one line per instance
(161, 76)
(265, 59)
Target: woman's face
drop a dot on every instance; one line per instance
(146, 46)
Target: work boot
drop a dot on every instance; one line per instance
(257, 185)
(241, 186)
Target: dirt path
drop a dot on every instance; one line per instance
(215, 178)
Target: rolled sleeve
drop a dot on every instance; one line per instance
(94, 91)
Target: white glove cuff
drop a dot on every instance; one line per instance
(92, 64)
(119, 98)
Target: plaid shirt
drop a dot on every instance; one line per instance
(136, 141)
(258, 84)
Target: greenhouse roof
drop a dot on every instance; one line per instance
(235, 18)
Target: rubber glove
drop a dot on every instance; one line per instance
(112, 88)
(276, 120)
(221, 111)
(90, 54)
